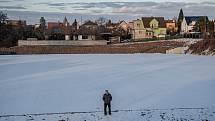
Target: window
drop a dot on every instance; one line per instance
(84, 37)
(162, 32)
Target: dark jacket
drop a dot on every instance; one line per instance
(107, 98)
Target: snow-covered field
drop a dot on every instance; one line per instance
(153, 86)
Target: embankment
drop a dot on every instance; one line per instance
(147, 47)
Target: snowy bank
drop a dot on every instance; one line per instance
(67, 83)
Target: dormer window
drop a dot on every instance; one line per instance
(154, 23)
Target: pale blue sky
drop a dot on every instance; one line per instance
(118, 8)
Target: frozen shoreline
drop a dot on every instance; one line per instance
(67, 83)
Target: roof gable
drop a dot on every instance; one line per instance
(154, 23)
(190, 19)
(147, 20)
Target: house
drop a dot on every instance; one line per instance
(90, 24)
(137, 29)
(66, 28)
(87, 31)
(148, 27)
(123, 30)
(171, 26)
(111, 26)
(123, 26)
(189, 22)
(114, 31)
(56, 29)
(16, 23)
(74, 28)
(120, 30)
(155, 26)
(36, 26)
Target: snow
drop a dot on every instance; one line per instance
(75, 83)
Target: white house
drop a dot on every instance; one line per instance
(189, 22)
(138, 30)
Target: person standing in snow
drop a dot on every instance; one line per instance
(107, 98)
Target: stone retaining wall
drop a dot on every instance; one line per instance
(61, 42)
(178, 50)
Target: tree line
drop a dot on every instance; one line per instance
(10, 35)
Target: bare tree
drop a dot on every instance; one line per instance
(101, 21)
(3, 17)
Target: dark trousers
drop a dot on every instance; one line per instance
(105, 108)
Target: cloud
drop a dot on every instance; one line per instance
(18, 0)
(80, 9)
(166, 9)
(34, 17)
(120, 10)
(56, 4)
(5, 1)
(12, 7)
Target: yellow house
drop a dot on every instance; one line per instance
(155, 25)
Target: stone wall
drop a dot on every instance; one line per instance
(178, 50)
(61, 42)
(149, 47)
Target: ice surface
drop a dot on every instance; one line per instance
(67, 83)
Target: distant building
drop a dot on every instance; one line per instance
(180, 19)
(111, 26)
(42, 24)
(123, 26)
(137, 29)
(74, 29)
(75, 26)
(189, 22)
(148, 27)
(16, 23)
(170, 26)
(90, 25)
(65, 22)
(87, 31)
(56, 29)
(155, 26)
(36, 26)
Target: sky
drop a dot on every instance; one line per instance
(52, 10)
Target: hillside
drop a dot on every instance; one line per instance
(144, 47)
(204, 47)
